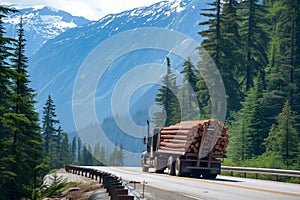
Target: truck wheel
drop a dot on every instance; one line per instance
(178, 167)
(207, 175)
(156, 166)
(145, 169)
(171, 166)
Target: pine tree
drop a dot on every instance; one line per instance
(249, 129)
(25, 136)
(97, 154)
(120, 156)
(221, 42)
(113, 157)
(6, 159)
(73, 150)
(167, 98)
(65, 150)
(255, 39)
(102, 157)
(230, 58)
(49, 122)
(188, 93)
(283, 139)
(87, 157)
(79, 152)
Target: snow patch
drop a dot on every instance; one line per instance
(176, 6)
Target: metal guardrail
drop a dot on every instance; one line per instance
(265, 171)
(115, 186)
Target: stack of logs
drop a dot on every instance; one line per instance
(192, 136)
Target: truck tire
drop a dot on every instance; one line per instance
(178, 167)
(206, 174)
(156, 166)
(143, 161)
(171, 166)
(145, 169)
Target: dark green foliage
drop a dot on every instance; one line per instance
(167, 99)
(73, 150)
(21, 141)
(55, 186)
(79, 151)
(222, 43)
(188, 93)
(117, 156)
(249, 129)
(49, 126)
(283, 139)
(254, 39)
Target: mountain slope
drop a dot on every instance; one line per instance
(41, 23)
(57, 62)
(54, 66)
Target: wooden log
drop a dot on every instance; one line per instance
(176, 132)
(172, 149)
(179, 137)
(177, 127)
(174, 145)
(177, 141)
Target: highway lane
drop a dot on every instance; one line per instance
(222, 188)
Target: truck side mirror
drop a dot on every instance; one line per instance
(144, 140)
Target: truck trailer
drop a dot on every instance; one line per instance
(187, 148)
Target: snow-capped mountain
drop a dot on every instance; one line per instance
(41, 23)
(54, 67)
(62, 56)
(58, 61)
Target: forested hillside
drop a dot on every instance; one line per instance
(30, 148)
(256, 47)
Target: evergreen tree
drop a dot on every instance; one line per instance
(65, 150)
(97, 154)
(188, 93)
(167, 97)
(222, 42)
(211, 44)
(113, 157)
(283, 139)
(24, 129)
(79, 152)
(5, 104)
(255, 39)
(73, 150)
(249, 129)
(102, 157)
(231, 63)
(284, 67)
(121, 156)
(49, 130)
(87, 157)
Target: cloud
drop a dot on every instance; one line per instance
(90, 9)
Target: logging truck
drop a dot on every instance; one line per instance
(188, 148)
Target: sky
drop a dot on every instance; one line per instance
(90, 9)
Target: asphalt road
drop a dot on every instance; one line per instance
(222, 188)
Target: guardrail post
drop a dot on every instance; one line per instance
(256, 176)
(99, 173)
(125, 197)
(118, 192)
